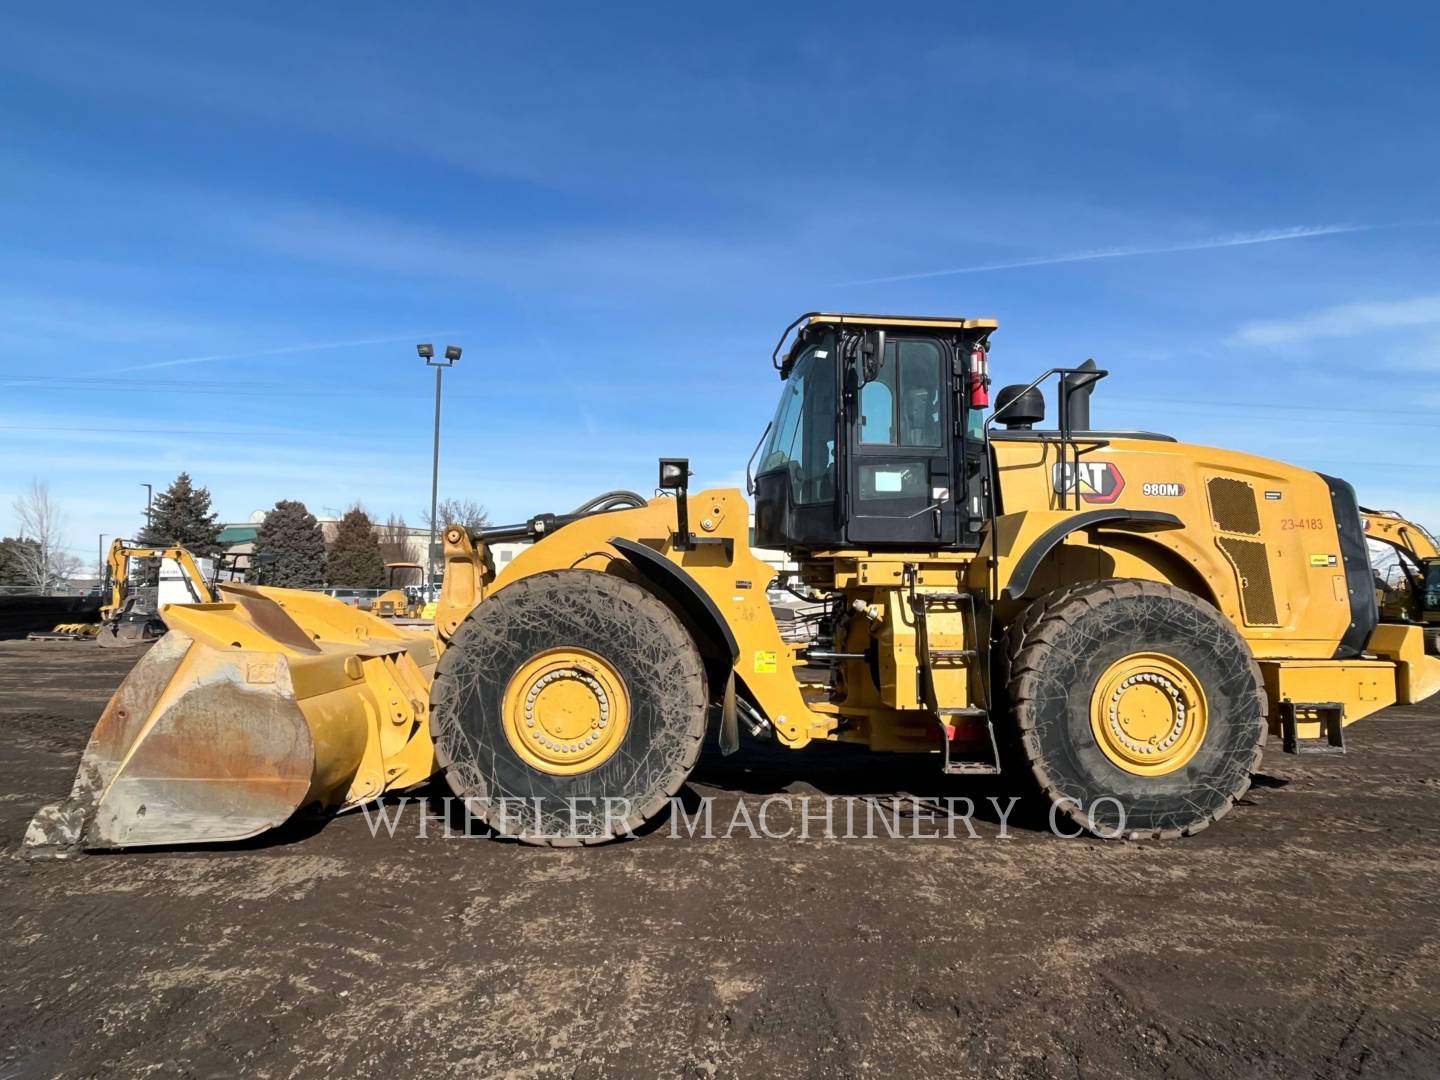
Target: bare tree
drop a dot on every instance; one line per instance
(395, 540)
(466, 512)
(43, 564)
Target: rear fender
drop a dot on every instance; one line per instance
(1023, 566)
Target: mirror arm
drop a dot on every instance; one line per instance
(749, 476)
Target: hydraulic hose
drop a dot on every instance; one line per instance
(543, 524)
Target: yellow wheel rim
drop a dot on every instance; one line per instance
(566, 711)
(1149, 714)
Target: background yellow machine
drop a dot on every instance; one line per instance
(131, 616)
(1416, 596)
(1118, 616)
(398, 601)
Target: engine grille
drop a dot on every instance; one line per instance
(1252, 567)
(1234, 509)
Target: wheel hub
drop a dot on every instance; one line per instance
(566, 711)
(1148, 714)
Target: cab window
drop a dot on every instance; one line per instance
(802, 436)
(901, 405)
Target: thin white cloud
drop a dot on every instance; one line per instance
(1267, 236)
(279, 350)
(1343, 320)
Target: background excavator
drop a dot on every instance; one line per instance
(1118, 617)
(1415, 597)
(131, 616)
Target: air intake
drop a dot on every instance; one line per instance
(1252, 568)
(1233, 509)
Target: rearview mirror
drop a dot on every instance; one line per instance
(872, 354)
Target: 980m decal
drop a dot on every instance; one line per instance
(1165, 490)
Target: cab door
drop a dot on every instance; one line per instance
(900, 475)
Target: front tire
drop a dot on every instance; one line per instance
(568, 708)
(1139, 708)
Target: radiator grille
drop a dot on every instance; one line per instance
(1233, 507)
(1252, 566)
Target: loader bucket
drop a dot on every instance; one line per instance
(246, 711)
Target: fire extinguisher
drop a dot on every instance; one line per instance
(979, 377)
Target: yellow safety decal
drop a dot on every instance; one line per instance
(764, 662)
(1322, 560)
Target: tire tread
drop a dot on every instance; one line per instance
(1036, 630)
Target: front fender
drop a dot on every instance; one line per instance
(685, 592)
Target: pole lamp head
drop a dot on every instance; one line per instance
(674, 474)
(425, 352)
(452, 353)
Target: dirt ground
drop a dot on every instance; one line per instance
(1299, 937)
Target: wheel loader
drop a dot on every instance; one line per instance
(1120, 618)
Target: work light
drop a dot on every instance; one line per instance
(674, 473)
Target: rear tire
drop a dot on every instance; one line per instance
(1138, 703)
(1432, 641)
(606, 681)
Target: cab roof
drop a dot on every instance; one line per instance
(917, 322)
(929, 322)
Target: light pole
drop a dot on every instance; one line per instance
(149, 499)
(426, 352)
(100, 564)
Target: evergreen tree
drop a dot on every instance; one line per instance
(355, 561)
(181, 517)
(294, 540)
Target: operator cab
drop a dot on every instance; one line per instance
(878, 438)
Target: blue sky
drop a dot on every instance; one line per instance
(225, 231)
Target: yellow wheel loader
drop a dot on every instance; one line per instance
(1118, 616)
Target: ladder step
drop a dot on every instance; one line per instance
(926, 600)
(1330, 715)
(968, 766)
(971, 768)
(951, 654)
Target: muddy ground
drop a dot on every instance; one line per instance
(1297, 938)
